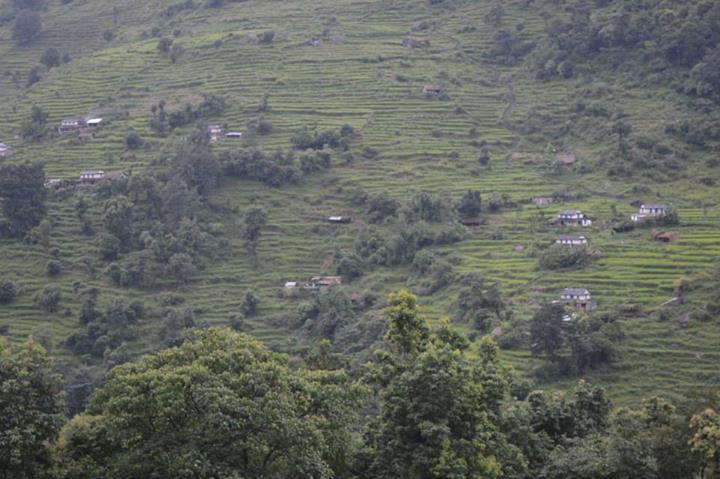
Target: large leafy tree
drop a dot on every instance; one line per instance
(31, 410)
(22, 196)
(220, 405)
(435, 403)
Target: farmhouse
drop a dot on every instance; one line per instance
(571, 218)
(578, 298)
(432, 90)
(5, 150)
(340, 219)
(91, 176)
(321, 282)
(291, 284)
(543, 201)
(72, 124)
(663, 237)
(571, 240)
(566, 159)
(649, 211)
(470, 222)
(94, 122)
(214, 131)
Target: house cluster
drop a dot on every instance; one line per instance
(216, 132)
(5, 150)
(649, 211)
(69, 125)
(571, 218)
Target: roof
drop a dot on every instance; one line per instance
(566, 158)
(432, 88)
(571, 212)
(233, 133)
(94, 121)
(92, 172)
(654, 206)
(570, 237)
(575, 292)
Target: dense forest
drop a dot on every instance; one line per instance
(359, 239)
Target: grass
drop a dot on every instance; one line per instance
(424, 144)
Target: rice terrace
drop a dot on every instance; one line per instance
(281, 167)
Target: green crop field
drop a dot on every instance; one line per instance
(360, 74)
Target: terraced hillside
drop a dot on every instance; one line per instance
(358, 72)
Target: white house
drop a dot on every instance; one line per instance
(650, 211)
(571, 218)
(291, 285)
(215, 131)
(579, 298)
(70, 124)
(94, 122)
(5, 150)
(92, 175)
(571, 240)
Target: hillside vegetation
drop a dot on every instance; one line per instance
(329, 96)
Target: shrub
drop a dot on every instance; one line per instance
(48, 299)
(51, 58)
(108, 35)
(53, 268)
(266, 37)
(8, 292)
(133, 141)
(27, 27)
(561, 256)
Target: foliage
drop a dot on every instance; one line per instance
(478, 302)
(434, 417)
(32, 410)
(219, 405)
(28, 26)
(23, 195)
(470, 204)
(560, 256)
(255, 219)
(48, 299)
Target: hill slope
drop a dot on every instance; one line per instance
(359, 72)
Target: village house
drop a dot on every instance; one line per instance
(91, 176)
(565, 159)
(542, 201)
(291, 284)
(94, 122)
(578, 298)
(321, 282)
(5, 150)
(339, 219)
(571, 240)
(432, 90)
(571, 218)
(649, 211)
(233, 134)
(215, 131)
(72, 124)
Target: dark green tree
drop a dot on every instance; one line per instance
(32, 410)
(22, 196)
(219, 405)
(28, 26)
(255, 219)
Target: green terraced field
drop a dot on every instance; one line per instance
(424, 144)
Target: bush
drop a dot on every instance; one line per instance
(8, 292)
(27, 27)
(133, 141)
(250, 304)
(51, 58)
(108, 35)
(53, 269)
(562, 256)
(266, 37)
(48, 299)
